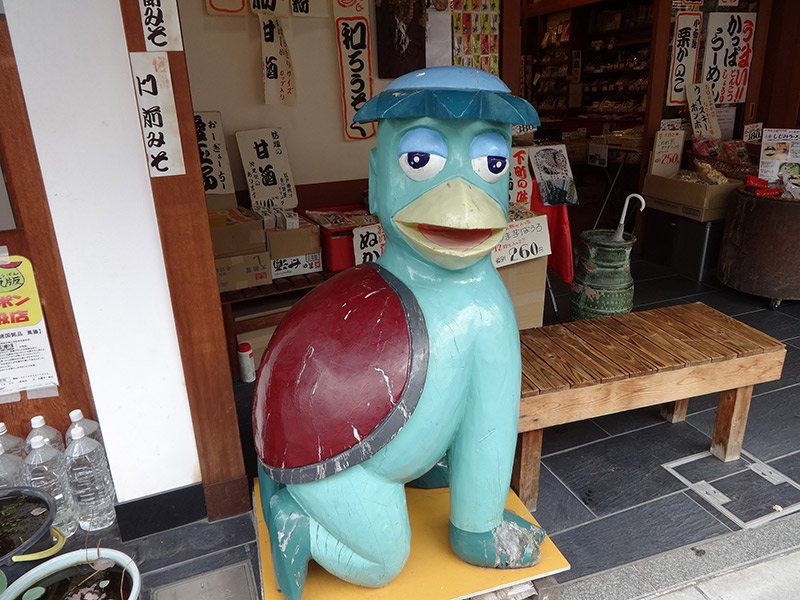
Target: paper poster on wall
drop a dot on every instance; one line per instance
(368, 243)
(214, 163)
(780, 154)
(161, 25)
(726, 117)
(266, 166)
(159, 119)
(310, 8)
(521, 179)
(685, 46)
(438, 36)
(271, 8)
(277, 73)
(598, 155)
(476, 34)
(667, 153)
(702, 112)
(553, 174)
(752, 132)
(227, 7)
(729, 51)
(355, 63)
(26, 360)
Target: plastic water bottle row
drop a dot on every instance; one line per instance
(76, 475)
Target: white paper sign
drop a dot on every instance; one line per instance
(355, 63)
(296, 265)
(368, 243)
(272, 8)
(780, 153)
(553, 175)
(214, 163)
(521, 179)
(752, 132)
(729, 51)
(685, 46)
(161, 25)
(159, 119)
(667, 153)
(277, 73)
(227, 7)
(309, 8)
(438, 38)
(523, 240)
(671, 125)
(732, 3)
(598, 155)
(726, 117)
(266, 166)
(702, 111)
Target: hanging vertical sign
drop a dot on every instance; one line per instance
(157, 114)
(309, 8)
(731, 3)
(276, 64)
(226, 7)
(161, 25)
(271, 8)
(729, 52)
(702, 111)
(368, 243)
(266, 166)
(521, 180)
(26, 360)
(214, 163)
(355, 63)
(684, 55)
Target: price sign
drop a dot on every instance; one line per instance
(752, 132)
(368, 243)
(522, 240)
(667, 153)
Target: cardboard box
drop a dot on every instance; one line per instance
(239, 272)
(692, 200)
(288, 243)
(236, 231)
(296, 265)
(216, 202)
(525, 282)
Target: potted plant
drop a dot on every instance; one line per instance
(26, 525)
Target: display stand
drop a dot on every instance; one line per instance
(433, 571)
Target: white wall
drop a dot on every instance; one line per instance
(75, 74)
(224, 58)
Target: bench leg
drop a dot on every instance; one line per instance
(675, 412)
(731, 421)
(525, 476)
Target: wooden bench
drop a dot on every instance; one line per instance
(665, 356)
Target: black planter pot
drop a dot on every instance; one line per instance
(39, 527)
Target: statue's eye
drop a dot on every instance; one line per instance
(422, 153)
(490, 153)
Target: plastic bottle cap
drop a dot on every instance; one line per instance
(244, 347)
(37, 421)
(3, 428)
(75, 415)
(77, 432)
(37, 441)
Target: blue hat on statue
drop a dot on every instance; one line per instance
(449, 93)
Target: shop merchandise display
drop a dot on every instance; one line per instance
(50, 435)
(11, 472)
(90, 481)
(11, 443)
(90, 428)
(44, 469)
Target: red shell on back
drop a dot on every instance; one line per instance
(340, 377)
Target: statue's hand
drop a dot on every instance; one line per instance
(511, 545)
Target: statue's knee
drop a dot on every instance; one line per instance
(389, 567)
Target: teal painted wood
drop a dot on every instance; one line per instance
(603, 284)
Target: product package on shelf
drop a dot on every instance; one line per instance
(294, 250)
(336, 231)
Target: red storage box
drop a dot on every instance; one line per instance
(336, 226)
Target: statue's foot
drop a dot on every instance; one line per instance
(290, 544)
(511, 545)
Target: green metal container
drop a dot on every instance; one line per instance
(603, 284)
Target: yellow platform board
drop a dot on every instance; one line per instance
(432, 572)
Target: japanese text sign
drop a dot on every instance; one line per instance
(368, 243)
(276, 64)
(702, 112)
(161, 25)
(26, 362)
(667, 153)
(214, 163)
(522, 240)
(227, 7)
(521, 179)
(729, 51)
(296, 265)
(355, 63)
(733, 3)
(266, 166)
(780, 154)
(684, 56)
(157, 114)
(309, 8)
(752, 132)
(273, 8)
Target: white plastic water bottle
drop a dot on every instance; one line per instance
(10, 469)
(90, 428)
(11, 443)
(44, 469)
(90, 480)
(52, 436)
